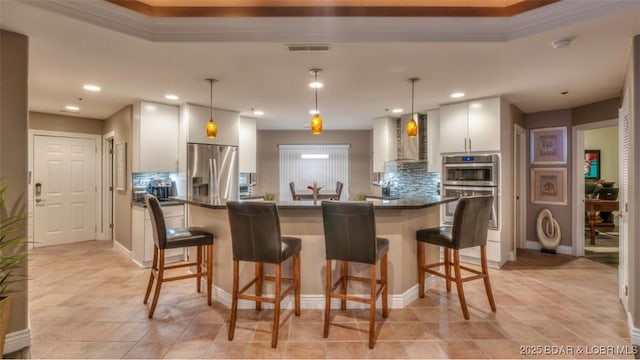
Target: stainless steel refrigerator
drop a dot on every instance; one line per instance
(212, 172)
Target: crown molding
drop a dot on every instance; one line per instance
(332, 29)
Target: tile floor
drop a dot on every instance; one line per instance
(86, 302)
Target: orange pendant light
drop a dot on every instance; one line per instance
(212, 127)
(316, 120)
(412, 125)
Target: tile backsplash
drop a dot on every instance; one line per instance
(407, 179)
(142, 179)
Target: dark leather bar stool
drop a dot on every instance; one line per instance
(256, 237)
(173, 238)
(350, 236)
(470, 227)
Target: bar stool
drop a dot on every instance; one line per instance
(173, 238)
(350, 236)
(470, 227)
(256, 237)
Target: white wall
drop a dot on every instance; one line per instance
(605, 140)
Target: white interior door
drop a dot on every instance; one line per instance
(64, 190)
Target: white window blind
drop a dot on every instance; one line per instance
(306, 164)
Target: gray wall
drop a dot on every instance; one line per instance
(268, 156)
(121, 123)
(14, 60)
(74, 124)
(598, 111)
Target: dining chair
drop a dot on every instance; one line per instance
(292, 187)
(339, 186)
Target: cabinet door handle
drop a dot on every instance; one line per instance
(469, 144)
(465, 144)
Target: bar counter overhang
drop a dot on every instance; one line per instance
(396, 220)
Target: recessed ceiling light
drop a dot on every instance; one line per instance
(316, 85)
(72, 108)
(171, 97)
(456, 95)
(90, 87)
(258, 112)
(396, 111)
(313, 112)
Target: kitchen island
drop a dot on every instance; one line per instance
(396, 220)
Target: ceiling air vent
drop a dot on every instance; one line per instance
(307, 47)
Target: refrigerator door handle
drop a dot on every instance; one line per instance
(214, 180)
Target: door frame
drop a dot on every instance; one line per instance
(100, 235)
(520, 159)
(108, 196)
(577, 169)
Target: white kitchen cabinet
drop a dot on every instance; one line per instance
(247, 145)
(195, 119)
(384, 142)
(155, 137)
(142, 233)
(470, 126)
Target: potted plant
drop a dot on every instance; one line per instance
(13, 251)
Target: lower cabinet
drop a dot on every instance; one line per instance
(142, 234)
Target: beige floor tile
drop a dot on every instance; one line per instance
(543, 301)
(306, 350)
(461, 349)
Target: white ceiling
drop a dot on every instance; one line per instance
(365, 70)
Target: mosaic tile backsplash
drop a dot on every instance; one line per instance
(407, 179)
(144, 178)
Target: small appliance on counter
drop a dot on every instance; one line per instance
(138, 193)
(162, 188)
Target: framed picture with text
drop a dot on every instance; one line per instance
(549, 186)
(549, 145)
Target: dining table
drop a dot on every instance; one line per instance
(306, 194)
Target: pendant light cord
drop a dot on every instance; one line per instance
(412, 86)
(316, 79)
(211, 99)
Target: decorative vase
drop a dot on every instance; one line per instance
(5, 313)
(315, 196)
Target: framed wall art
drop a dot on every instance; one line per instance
(592, 164)
(549, 145)
(549, 186)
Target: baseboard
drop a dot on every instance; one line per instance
(316, 301)
(634, 332)
(17, 340)
(476, 261)
(120, 248)
(562, 249)
(101, 236)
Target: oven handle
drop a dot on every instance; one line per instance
(493, 189)
(468, 165)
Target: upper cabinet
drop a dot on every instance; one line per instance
(384, 142)
(155, 137)
(195, 119)
(470, 126)
(247, 147)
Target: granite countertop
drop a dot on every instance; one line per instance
(382, 197)
(162, 203)
(412, 203)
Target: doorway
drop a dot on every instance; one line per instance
(520, 193)
(64, 187)
(108, 189)
(601, 136)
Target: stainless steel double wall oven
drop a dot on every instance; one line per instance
(470, 175)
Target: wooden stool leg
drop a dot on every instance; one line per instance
(447, 268)
(234, 299)
(372, 305)
(344, 270)
(485, 271)
(199, 268)
(259, 276)
(154, 266)
(296, 279)
(159, 281)
(276, 308)
(327, 300)
(420, 270)
(209, 272)
(456, 266)
(385, 289)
